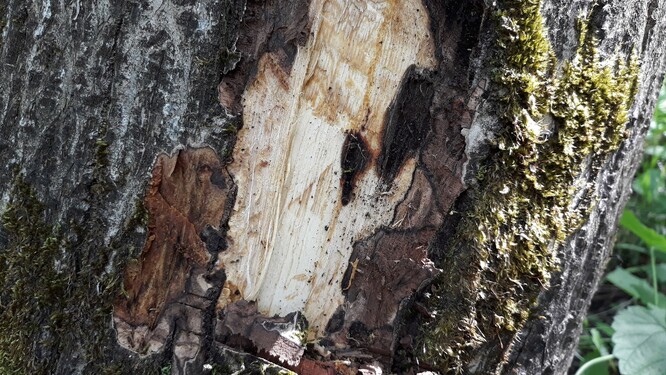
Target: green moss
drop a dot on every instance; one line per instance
(560, 123)
(101, 153)
(166, 370)
(101, 183)
(55, 294)
(31, 284)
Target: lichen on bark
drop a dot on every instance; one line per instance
(560, 122)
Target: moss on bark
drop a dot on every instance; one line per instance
(31, 301)
(560, 122)
(57, 291)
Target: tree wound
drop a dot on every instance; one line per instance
(329, 218)
(305, 162)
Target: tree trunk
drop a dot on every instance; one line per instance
(321, 186)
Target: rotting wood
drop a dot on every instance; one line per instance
(334, 219)
(268, 26)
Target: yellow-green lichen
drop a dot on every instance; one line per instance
(561, 122)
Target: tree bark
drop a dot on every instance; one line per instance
(320, 186)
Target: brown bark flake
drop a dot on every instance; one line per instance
(186, 198)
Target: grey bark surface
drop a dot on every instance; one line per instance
(92, 91)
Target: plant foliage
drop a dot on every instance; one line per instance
(640, 340)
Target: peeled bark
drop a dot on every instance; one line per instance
(205, 187)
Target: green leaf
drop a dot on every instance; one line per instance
(649, 236)
(599, 324)
(648, 183)
(640, 340)
(660, 271)
(605, 328)
(600, 368)
(599, 342)
(635, 287)
(658, 150)
(632, 247)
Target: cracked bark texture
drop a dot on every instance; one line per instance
(95, 96)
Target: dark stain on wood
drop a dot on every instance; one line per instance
(408, 123)
(267, 27)
(354, 160)
(337, 321)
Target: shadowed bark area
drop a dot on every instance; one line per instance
(215, 185)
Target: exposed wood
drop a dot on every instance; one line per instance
(306, 159)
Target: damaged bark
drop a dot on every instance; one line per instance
(265, 186)
(186, 202)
